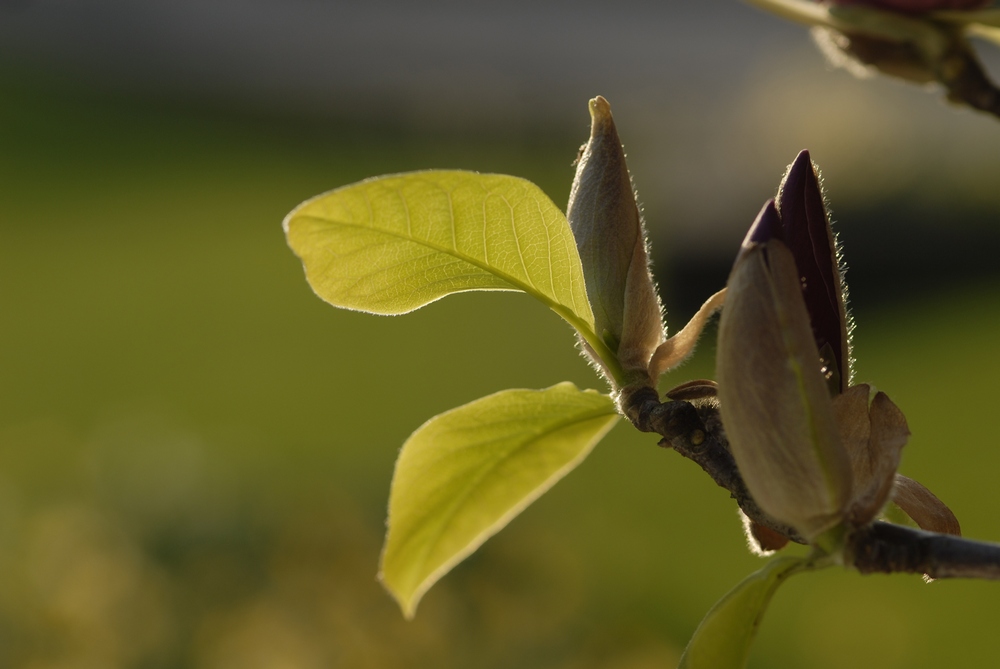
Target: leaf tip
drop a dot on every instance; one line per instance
(407, 604)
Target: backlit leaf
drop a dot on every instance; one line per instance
(392, 244)
(466, 473)
(722, 640)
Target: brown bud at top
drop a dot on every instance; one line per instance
(605, 220)
(808, 234)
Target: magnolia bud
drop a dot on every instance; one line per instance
(775, 403)
(816, 453)
(805, 229)
(605, 220)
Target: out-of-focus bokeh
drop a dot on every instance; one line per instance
(195, 452)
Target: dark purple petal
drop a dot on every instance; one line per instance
(766, 226)
(807, 233)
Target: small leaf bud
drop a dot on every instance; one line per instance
(609, 234)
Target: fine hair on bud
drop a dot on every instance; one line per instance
(610, 237)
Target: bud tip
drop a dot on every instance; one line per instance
(797, 173)
(600, 109)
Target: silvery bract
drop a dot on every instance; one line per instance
(815, 452)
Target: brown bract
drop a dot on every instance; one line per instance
(923, 507)
(873, 433)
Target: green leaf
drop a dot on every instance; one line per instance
(392, 244)
(722, 640)
(463, 475)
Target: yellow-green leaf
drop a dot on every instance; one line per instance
(722, 640)
(463, 475)
(392, 244)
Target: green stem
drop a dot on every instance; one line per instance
(606, 355)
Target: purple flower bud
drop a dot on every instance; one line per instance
(775, 404)
(816, 453)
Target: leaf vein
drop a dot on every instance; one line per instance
(484, 265)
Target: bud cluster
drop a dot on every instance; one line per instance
(817, 454)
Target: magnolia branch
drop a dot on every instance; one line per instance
(887, 548)
(693, 428)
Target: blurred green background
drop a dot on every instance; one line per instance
(195, 452)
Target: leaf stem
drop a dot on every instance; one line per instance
(607, 356)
